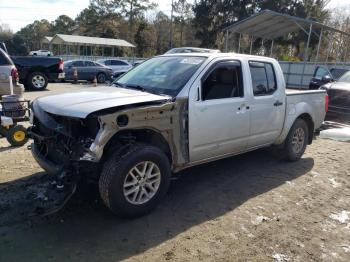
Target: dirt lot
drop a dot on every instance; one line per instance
(251, 207)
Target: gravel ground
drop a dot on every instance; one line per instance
(252, 207)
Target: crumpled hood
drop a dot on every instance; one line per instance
(81, 103)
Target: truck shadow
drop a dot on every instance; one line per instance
(85, 230)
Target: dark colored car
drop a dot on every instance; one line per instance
(36, 72)
(339, 99)
(323, 76)
(87, 70)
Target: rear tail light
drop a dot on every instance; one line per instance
(61, 65)
(14, 75)
(326, 103)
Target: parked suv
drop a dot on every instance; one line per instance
(7, 68)
(41, 53)
(118, 66)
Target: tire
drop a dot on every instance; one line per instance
(116, 175)
(3, 131)
(296, 141)
(37, 81)
(17, 135)
(101, 78)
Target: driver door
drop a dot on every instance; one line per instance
(218, 113)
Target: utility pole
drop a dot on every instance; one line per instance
(171, 25)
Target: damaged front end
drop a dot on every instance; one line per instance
(59, 145)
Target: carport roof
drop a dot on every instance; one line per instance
(268, 24)
(90, 41)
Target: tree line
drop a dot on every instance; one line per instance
(198, 24)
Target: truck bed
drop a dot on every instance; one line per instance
(291, 92)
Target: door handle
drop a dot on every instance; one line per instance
(278, 103)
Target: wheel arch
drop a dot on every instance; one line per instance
(145, 136)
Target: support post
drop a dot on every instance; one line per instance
(226, 42)
(271, 47)
(319, 45)
(306, 56)
(262, 46)
(239, 43)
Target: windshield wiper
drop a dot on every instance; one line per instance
(137, 87)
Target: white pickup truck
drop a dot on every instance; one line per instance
(170, 113)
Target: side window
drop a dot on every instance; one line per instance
(224, 81)
(263, 78)
(89, 63)
(107, 62)
(320, 72)
(119, 63)
(78, 63)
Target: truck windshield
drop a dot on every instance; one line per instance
(162, 75)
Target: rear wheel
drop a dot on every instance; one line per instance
(101, 78)
(17, 135)
(133, 183)
(296, 140)
(37, 81)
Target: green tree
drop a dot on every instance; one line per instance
(144, 40)
(62, 25)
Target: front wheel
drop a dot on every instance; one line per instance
(296, 140)
(133, 183)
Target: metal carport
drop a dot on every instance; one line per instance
(85, 41)
(269, 25)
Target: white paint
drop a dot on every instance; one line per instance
(342, 217)
(280, 257)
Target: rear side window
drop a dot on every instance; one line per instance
(263, 78)
(89, 63)
(116, 62)
(78, 63)
(4, 60)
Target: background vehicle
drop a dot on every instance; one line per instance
(192, 50)
(7, 68)
(339, 99)
(36, 72)
(41, 53)
(87, 70)
(118, 66)
(170, 113)
(323, 76)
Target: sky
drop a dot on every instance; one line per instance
(18, 13)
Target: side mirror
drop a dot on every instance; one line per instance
(327, 79)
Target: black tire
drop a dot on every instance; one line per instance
(101, 78)
(37, 76)
(115, 171)
(17, 135)
(291, 151)
(3, 131)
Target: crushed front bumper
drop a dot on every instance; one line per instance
(47, 165)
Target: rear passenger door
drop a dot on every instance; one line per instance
(218, 112)
(267, 105)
